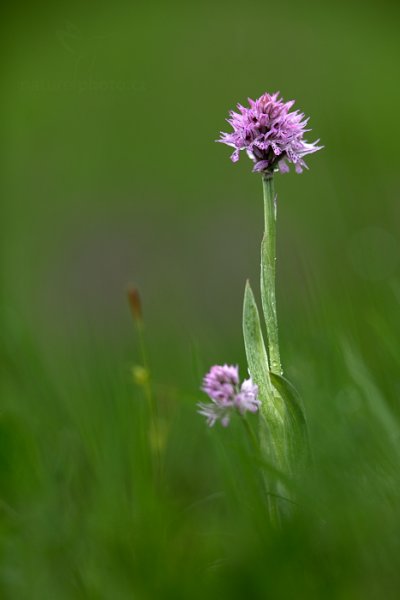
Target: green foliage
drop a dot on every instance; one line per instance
(295, 432)
(283, 432)
(84, 514)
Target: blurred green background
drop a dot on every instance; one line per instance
(110, 176)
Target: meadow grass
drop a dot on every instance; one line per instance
(86, 513)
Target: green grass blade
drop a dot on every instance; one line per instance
(374, 398)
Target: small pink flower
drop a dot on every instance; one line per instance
(247, 399)
(221, 384)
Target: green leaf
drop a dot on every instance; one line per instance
(296, 434)
(272, 408)
(256, 354)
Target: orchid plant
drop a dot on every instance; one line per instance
(273, 137)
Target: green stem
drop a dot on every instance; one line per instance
(154, 433)
(268, 267)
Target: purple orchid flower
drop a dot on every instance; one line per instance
(270, 134)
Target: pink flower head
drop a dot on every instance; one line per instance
(246, 399)
(270, 134)
(221, 384)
